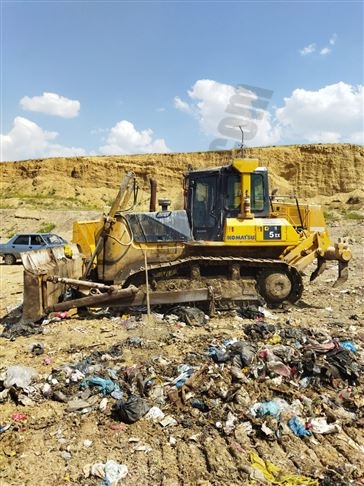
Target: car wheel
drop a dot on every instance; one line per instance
(9, 259)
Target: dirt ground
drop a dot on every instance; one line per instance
(51, 445)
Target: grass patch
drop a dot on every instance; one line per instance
(46, 202)
(46, 227)
(353, 215)
(8, 233)
(333, 215)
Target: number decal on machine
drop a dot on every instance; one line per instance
(272, 233)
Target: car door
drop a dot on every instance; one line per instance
(36, 242)
(20, 244)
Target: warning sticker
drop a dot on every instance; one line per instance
(272, 232)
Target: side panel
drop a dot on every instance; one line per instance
(260, 232)
(84, 235)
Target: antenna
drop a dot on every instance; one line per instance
(242, 146)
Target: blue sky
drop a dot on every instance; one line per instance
(105, 77)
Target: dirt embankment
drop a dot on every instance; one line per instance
(91, 182)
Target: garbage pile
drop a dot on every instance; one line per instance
(277, 381)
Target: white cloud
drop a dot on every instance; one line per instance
(51, 104)
(124, 138)
(325, 51)
(221, 108)
(330, 114)
(308, 49)
(182, 105)
(209, 102)
(332, 40)
(27, 140)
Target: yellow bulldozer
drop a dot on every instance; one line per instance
(232, 242)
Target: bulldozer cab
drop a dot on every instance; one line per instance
(216, 194)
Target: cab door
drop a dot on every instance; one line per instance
(205, 210)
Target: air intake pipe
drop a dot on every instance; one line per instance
(153, 195)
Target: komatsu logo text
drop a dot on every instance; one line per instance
(241, 237)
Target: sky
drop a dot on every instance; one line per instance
(112, 77)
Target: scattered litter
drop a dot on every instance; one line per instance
(66, 455)
(261, 384)
(77, 404)
(168, 421)
(37, 349)
(103, 404)
(105, 386)
(298, 428)
(189, 315)
(131, 410)
(19, 417)
(348, 345)
(20, 376)
(319, 425)
(274, 474)
(4, 428)
(111, 472)
(273, 408)
(155, 413)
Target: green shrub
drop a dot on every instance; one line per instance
(46, 227)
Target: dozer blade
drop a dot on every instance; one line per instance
(321, 267)
(343, 273)
(132, 297)
(39, 265)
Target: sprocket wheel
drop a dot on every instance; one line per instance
(279, 285)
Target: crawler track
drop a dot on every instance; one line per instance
(274, 280)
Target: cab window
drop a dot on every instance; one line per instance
(204, 200)
(257, 192)
(233, 192)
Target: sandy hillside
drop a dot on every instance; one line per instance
(307, 170)
(36, 193)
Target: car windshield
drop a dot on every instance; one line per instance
(52, 239)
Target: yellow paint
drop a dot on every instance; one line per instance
(260, 232)
(246, 166)
(84, 235)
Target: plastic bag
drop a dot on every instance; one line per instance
(132, 410)
(298, 428)
(104, 386)
(20, 376)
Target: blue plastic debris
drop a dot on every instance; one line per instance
(348, 345)
(272, 408)
(196, 403)
(218, 355)
(298, 428)
(105, 386)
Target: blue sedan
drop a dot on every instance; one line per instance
(20, 243)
